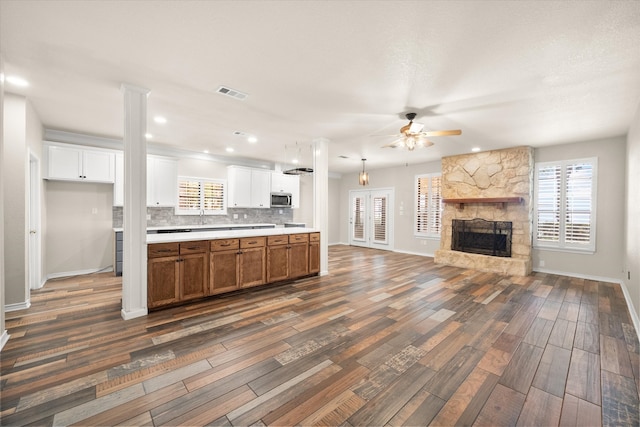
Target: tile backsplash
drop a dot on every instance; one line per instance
(166, 216)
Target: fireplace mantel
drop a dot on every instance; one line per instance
(502, 201)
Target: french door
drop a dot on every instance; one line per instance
(371, 218)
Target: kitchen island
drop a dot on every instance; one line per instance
(184, 266)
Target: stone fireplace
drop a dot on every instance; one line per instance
(494, 186)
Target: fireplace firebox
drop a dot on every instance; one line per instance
(478, 236)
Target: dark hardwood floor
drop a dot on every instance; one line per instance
(384, 339)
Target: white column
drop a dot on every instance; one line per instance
(321, 198)
(134, 250)
(4, 336)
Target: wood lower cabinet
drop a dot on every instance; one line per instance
(237, 263)
(314, 253)
(183, 271)
(277, 258)
(253, 262)
(176, 272)
(298, 255)
(287, 257)
(224, 272)
(163, 281)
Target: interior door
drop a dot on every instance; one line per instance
(371, 218)
(34, 224)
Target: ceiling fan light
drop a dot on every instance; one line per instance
(410, 142)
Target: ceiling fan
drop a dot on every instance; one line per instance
(412, 135)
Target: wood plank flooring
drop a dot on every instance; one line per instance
(385, 339)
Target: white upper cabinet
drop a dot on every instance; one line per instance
(260, 188)
(248, 188)
(162, 181)
(283, 183)
(66, 162)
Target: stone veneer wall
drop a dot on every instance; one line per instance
(499, 173)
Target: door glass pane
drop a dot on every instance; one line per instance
(358, 218)
(380, 219)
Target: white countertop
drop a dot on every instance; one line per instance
(195, 227)
(224, 234)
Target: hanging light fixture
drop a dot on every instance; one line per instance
(363, 179)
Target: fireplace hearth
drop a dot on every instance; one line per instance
(479, 236)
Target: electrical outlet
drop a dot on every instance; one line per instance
(235, 216)
(541, 263)
(245, 216)
(94, 211)
(423, 242)
(148, 217)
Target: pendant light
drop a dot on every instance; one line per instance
(364, 176)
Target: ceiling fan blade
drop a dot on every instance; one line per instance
(386, 136)
(442, 132)
(398, 142)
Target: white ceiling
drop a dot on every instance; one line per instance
(506, 73)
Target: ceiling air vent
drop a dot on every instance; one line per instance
(239, 133)
(232, 93)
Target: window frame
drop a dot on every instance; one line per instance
(562, 245)
(429, 233)
(201, 182)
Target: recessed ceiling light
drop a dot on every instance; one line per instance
(252, 139)
(17, 81)
(160, 120)
(206, 151)
(475, 149)
(229, 150)
(148, 135)
(294, 161)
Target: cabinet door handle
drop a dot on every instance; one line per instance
(253, 242)
(164, 250)
(226, 244)
(193, 248)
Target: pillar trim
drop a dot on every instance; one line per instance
(134, 277)
(321, 198)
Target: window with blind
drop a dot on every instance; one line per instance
(198, 196)
(428, 193)
(565, 196)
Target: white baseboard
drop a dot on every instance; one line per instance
(127, 315)
(414, 253)
(3, 339)
(634, 315)
(17, 306)
(79, 272)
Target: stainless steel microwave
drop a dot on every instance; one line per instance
(280, 200)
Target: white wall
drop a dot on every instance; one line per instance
(304, 213)
(632, 216)
(4, 336)
(402, 180)
(608, 260)
(335, 208)
(77, 239)
(15, 199)
(202, 168)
